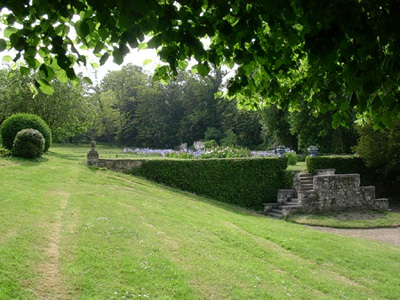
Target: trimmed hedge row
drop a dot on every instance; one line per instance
(343, 164)
(247, 182)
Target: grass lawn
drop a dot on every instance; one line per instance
(71, 232)
(300, 166)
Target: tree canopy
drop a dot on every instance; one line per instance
(335, 55)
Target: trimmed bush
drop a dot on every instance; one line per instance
(12, 125)
(247, 182)
(28, 143)
(210, 144)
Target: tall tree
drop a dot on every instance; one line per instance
(68, 111)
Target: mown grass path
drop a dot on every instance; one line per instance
(70, 232)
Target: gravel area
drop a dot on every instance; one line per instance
(385, 235)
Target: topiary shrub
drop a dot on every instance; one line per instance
(12, 125)
(28, 143)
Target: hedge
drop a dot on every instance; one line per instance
(247, 182)
(343, 164)
(348, 164)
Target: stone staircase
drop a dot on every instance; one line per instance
(282, 209)
(324, 192)
(279, 210)
(306, 182)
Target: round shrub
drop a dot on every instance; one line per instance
(291, 158)
(12, 125)
(28, 143)
(210, 144)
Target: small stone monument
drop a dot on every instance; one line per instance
(198, 145)
(92, 156)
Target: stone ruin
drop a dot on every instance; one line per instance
(325, 192)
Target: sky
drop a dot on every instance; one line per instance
(135, 57)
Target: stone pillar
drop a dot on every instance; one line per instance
(92, 156)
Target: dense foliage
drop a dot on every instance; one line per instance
(28, 143)
(336, 55)
(245, 182)
(12, 125)
(380, 150)
(68, 111)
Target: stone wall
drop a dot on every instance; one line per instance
(119, 165)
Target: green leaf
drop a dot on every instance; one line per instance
(33, 89)
(45, 87)
(162, 71)
(388, 120)
(87, 80)
(7, 58)
(118, 57)
(33, 63)
(82, 28)
(9, 31)
(43, 52)
(104, 58)
(99, 46)
(195, 70)
(24, 71)
(344, 106)
(94, 65)
(165, 81)
(203, 69)
(142, 46)
(147, 61)
(62, 76)
(182, 65)
(3, 45)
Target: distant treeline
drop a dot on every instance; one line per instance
(129, 108)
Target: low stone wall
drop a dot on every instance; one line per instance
(339, 192)
(119, 165)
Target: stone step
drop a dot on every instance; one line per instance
(306, 189)
(306, 186)
(293, 200)
(274, 215)
(305, 175)
(288, 204)
(294, 205)
(277, 211)
(305, 181)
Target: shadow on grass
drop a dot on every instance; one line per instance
(26, 162)
(201, 198)
(68, 156)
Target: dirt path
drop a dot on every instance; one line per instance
(51, 285)
(385, 235)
